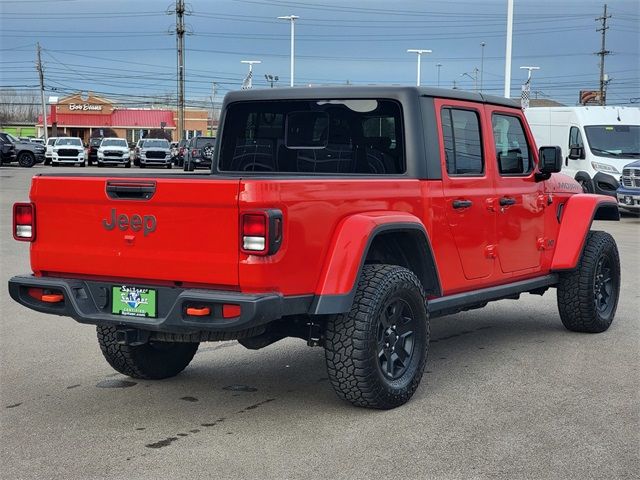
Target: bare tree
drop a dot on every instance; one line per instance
(18, 105)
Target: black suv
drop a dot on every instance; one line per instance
(27, 154)
(94, 144)
(199, 153)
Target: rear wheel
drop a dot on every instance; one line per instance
(377, 352)
(26, 159)
(588, 295)
(151, 361)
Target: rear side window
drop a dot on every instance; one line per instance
(462, 142)
(512, 150)
(327, 136)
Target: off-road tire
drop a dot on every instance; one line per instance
(578, 289)
(352, 340)
(26, 159)
(151, 361)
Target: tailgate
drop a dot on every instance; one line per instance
(187, 231)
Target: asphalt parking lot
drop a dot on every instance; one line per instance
(508, 393)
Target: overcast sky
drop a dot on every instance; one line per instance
(118, 47)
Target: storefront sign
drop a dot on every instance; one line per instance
(85, 107)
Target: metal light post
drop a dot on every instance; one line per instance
(419, 52)
(473, 77)
(507, 63)
(272, 79)
(438, 66)
(482, 45)
(292, 19)
(248, 81)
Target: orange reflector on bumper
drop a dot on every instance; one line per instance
(52, 297)
(198, 312)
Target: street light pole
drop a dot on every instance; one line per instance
(292, 19)
(419, 52)
(482, 65)
(438, 66)
(507, 63)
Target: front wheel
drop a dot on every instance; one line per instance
(377, 352)
(588, 295)
(26, 159)
(150, 361)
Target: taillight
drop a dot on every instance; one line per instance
(194, 152)
(261, 232)
(24, 222)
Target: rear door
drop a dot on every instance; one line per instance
(467, 183)
(185, 231)
(519, 198)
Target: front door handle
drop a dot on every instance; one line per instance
(506, 201)
(462, 203)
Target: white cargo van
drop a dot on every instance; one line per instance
(597, 142)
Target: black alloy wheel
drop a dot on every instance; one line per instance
(395, 338)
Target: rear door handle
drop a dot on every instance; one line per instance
(462, 203)
(506, 201)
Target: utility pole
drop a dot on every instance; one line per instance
(482, 45)
(438, 66)
(603, 52)
(213, 104)
(507, 63)
(419, 52)
(44, 105)
(180, 30)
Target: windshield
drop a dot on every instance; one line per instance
(114, 142)
(69, 141)
(614, 140)
(155, 144)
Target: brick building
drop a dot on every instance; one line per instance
(80, 116)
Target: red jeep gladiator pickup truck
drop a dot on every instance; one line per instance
(344, 216)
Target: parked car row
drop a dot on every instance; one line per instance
(148, 152)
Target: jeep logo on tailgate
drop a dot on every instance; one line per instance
(136, 223)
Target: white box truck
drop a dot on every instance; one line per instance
(596, 141)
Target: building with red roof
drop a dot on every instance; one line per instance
(91, 115)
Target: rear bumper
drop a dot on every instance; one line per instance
(90, 302)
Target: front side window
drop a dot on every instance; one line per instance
(330, 136)
(462, 142)
(575, 137)
(512, 150)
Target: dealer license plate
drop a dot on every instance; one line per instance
(133, 301)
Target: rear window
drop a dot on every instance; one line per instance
(362, 136)
(200, 142)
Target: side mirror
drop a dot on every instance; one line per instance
(576, 152)
(549, 161)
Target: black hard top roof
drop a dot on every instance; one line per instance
(350, 91)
